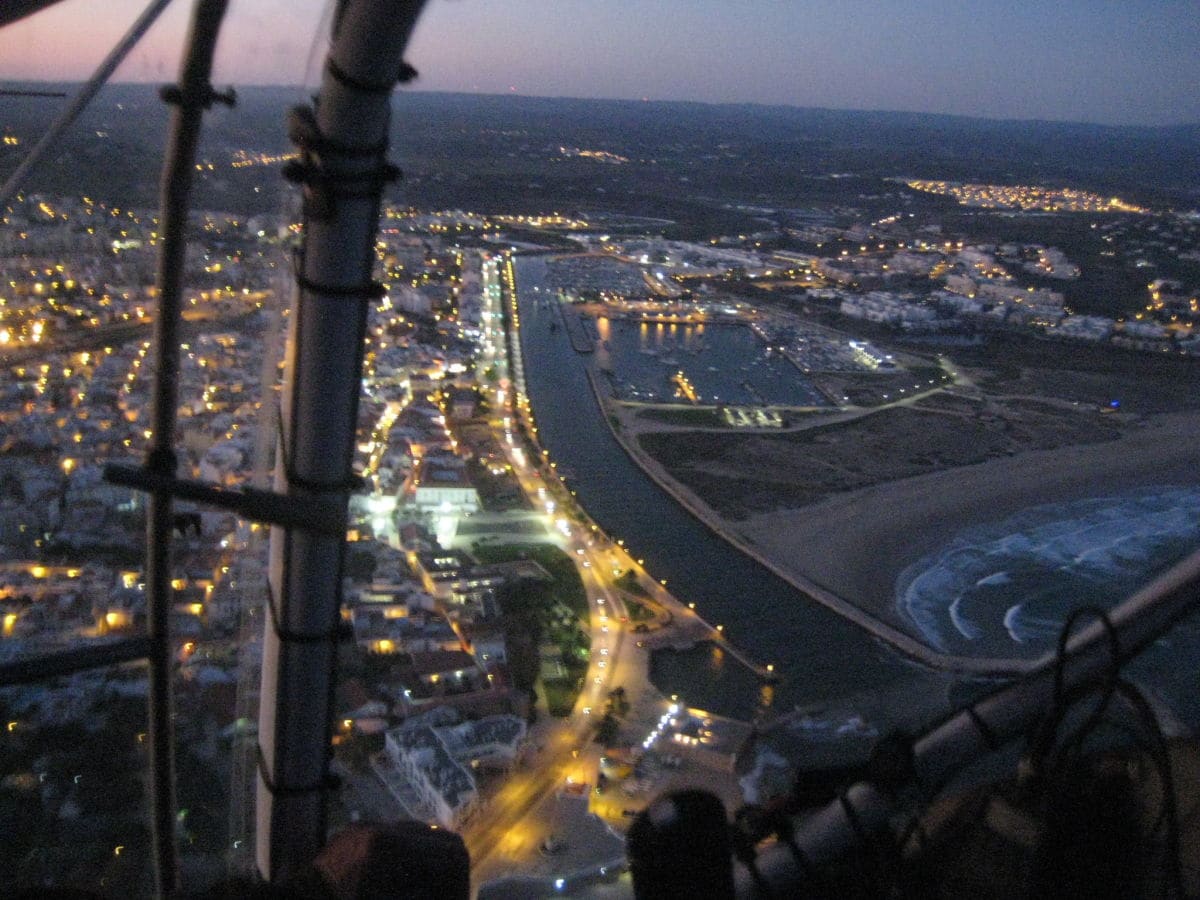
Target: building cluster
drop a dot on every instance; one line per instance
(401, 221)
(897, 274)
(70, 264)
(70, 412)
(457, 223)
(1026, 197)
(425, 619)
(1144, 243)
(679, 257)
(435, 683)
(926, 286)
(428, 763)
(77, 394)
(603, 156)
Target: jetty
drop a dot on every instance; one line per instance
(581, 340)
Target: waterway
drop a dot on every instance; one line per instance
(826, 663)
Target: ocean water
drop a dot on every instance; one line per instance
(1005, 589)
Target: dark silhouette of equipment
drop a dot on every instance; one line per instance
(679, 846)
(404, 861)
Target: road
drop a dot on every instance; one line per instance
(506, 836)
(512, 826)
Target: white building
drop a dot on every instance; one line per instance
(445, 491)
(888, 309)
(427, 762)
(1085, 328)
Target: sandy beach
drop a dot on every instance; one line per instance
(856, 545)
(848, 550)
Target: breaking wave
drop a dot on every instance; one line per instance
(1005, 589)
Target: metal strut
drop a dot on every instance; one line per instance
(993, 722)
(313, 513)
(193, 97)
(342, 172)
(84, 96)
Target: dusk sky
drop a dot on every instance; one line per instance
(1132, 62)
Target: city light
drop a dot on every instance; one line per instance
(931, 322)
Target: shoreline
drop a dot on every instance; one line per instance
(908, 645)
(858, 544)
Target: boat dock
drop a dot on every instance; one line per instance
(581, 340)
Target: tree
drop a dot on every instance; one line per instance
(606, 731)
(523, 605)
(525, 600)
(617, 701)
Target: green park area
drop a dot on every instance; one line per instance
(639, 610)
(683, 415)
(544, 622)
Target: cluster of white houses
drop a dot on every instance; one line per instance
(428, 761)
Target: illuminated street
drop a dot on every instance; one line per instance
(552, 787)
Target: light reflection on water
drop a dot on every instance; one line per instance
(728, 364)
(820, 657)
(717, 658)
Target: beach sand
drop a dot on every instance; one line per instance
(856, 545)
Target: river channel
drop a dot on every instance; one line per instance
(827, 664)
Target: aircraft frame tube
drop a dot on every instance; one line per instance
(342, 172)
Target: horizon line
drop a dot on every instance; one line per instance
(1033, 120)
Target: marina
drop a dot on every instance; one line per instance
(724, 365)
(820, 657)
